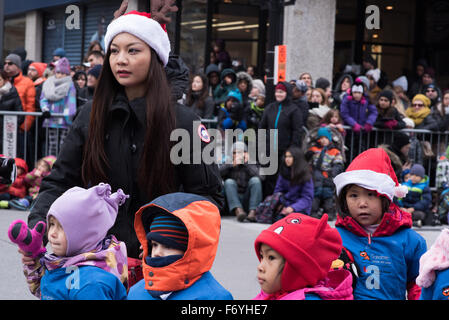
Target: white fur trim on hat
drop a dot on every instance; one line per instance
(371, 180)
(144, 28)
(357, 88)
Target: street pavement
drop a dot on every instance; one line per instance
(234, 267)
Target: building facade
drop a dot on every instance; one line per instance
(322, 36)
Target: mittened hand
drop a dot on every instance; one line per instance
(368, 127)
(390, 124)
(28, 240)
(356, 128)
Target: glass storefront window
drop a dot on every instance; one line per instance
(14, 34)
(193, 34)
(237, 24)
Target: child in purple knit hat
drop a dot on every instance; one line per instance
(86, 263)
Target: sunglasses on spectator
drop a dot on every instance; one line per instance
(417, 105)
(9, 63)
(430, 90)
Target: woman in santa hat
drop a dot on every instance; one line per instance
(376, 232)
(122, 137)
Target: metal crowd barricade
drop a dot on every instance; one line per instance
(31, 145)
(431, 145)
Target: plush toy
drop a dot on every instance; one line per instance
(28, 240)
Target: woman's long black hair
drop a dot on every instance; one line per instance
(156, 172)
(200, 96)
(300, 171)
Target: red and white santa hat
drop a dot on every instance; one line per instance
(140, 25)
(372, 170)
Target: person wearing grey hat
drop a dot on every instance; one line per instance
(299, 89)
(242, 184)
(13, 59)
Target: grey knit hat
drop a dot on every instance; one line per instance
(14, 58)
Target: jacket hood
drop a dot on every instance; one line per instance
(340, 80)
(393, 220)
(202, 220)
(227, 71)
(242, 75)
(288, 98)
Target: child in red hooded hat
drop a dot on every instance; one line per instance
(296, 254)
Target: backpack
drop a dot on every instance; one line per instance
(268, 209)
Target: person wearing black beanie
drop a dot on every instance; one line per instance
(388, 116)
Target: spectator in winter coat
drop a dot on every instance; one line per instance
(179, 234)
(423, 116)
(285, 116)
(418, 200)
(434, 269)
(25, 88)
(318, 107)
(299, 97)
(356, 110)
(385, 249)
(296, 254)
(78, 223)
(228, 83)
(295, 182)
(36, 73)
(58, 96)
(18, 188)
(388, 116)
(434, 94)
(213, 77)
(9, 101)
(245, 86)
(198, 98)
(327, 163)
(343, 85)
(232, 114)
(242, 184)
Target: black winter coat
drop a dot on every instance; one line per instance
(10, 101)
(123, 147)
(289, 121)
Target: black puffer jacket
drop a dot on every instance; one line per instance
(123, 147)
(10, 101)
(287, 118)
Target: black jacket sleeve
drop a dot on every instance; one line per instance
(66, 171)
(198, 178)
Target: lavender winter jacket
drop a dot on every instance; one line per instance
(299, 197)
(360, 112)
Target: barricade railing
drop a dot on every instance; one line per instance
(30, 145)
(426, 145)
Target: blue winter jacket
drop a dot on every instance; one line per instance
(81, 283)
(299, 196)
(439, 290)
(388, 259)
(418, 196)
(206, 288)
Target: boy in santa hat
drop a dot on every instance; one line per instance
(376, 232)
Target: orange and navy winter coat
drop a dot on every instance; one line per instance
(188, 278)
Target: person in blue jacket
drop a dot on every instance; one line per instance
(85, 263)
(419, 197)
(434, 269)
(179, 234)
(375, 231)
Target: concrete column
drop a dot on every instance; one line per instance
(309, 28)
(34, 35)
